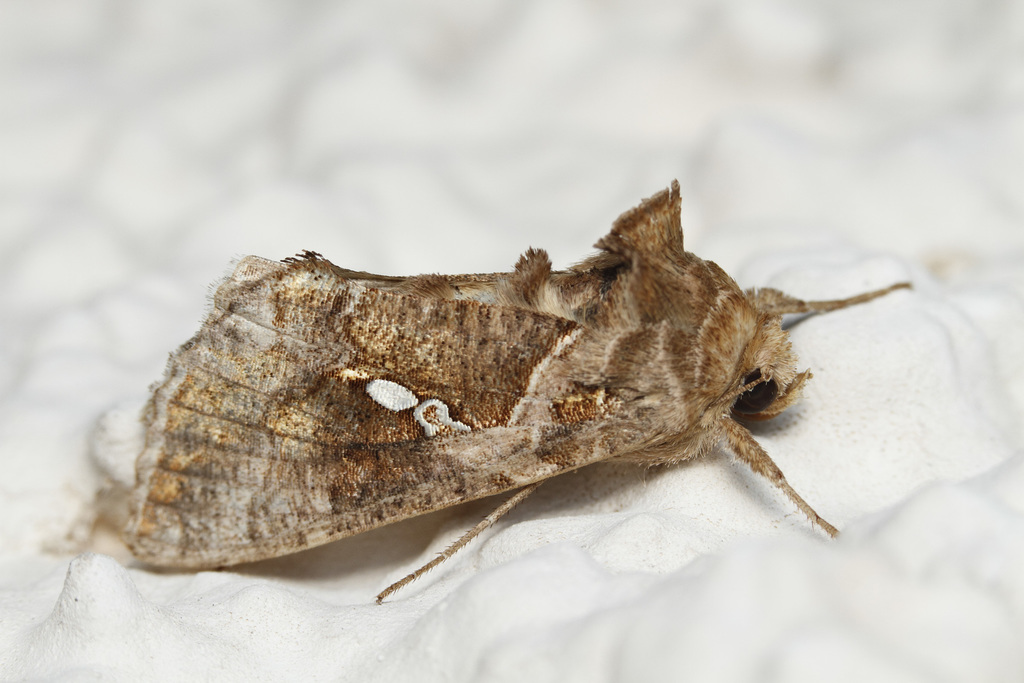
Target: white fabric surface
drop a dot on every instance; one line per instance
(824, 148)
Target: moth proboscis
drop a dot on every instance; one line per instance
(317, 402)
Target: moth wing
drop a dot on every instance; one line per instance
(289, 421)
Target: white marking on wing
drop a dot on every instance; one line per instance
(441, 416)
(395, 397)
(391, 395)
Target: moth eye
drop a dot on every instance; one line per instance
(753, 401)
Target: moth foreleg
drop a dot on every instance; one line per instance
(749, 451)
(487, 521)
(780, 303)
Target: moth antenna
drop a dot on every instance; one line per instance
(482, 526)
(773, 301)
(746, 448)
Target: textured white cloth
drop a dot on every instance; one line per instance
(824, 148)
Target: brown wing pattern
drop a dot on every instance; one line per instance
(264, 436)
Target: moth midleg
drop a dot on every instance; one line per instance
(487, 521)
(749, 451)
(779, 303)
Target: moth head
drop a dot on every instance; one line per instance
(768, 381)
(679, 331)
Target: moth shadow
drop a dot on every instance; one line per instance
(362, 560)
(791, 320)
(598, 488)
(365, 558)
(778, 424)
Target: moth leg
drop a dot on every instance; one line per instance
(749, 451)
(779, 303)
(487, 521)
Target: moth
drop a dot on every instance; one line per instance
(317, 402)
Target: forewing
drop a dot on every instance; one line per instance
(310, 407)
